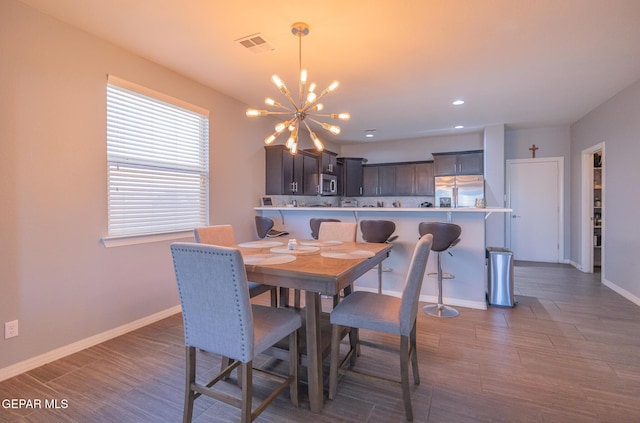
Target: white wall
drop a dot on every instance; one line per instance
(494, 174)
(412, 150)
(615, 123)
(57, 279)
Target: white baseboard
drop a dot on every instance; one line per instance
(58, 353)
(480, 305)
(576, 265)
(628, 295)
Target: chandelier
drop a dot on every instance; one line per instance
(305, 110)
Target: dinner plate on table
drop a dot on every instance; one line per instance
(267, 259)
(260, 244)
(302, 249)
(347, 254)
(316, 243)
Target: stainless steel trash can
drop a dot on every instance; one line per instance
(500, 277)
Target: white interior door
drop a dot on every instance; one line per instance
(534, 188)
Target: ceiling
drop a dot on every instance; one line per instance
(522, 63)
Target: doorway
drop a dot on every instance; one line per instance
(535, 193)
(593, 209)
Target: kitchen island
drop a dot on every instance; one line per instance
(467, 262)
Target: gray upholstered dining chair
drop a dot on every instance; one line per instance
(382, 313)
(223, 321)
(224, 235)
(380, 231)
(338, 231)
(328, 230)
(314, 224)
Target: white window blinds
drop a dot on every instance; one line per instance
(157, 154)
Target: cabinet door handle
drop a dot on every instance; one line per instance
(360, 190)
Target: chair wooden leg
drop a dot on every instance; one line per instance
(296, 298)
(414, 355)
(294, 368)
(404, 376)
(335, 358)
(284, 297)
(224, 363)
(274, 296)
(353, 334)
(190, 377)
(247, 392)
(354, 337)
(239, 379)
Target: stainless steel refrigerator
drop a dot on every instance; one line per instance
(459, 191)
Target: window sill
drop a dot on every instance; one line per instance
(123, 240)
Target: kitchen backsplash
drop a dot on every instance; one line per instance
(316, 201)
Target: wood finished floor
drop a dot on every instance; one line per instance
(569, 352)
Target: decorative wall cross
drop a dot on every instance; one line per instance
(533, 151)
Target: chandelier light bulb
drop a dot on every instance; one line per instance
(316, 141)
(276, 80)
(290, 142)
(341, 116)
(311, 97)
(303, 76)
(271, 102)
(271, 138)
(256, 113)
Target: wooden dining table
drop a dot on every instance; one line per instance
(317, 272)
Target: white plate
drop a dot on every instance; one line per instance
(260, 244)
(266, 259)
(347, 254)
(300, 250)
(316, 243)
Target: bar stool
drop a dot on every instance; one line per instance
(264, 227)
(445, 236)
(378, 231)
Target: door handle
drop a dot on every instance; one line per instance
(514, 216)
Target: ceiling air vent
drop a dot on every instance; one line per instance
(255, 43)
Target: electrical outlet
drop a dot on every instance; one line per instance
(10, 329)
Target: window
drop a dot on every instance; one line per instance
(158, 162)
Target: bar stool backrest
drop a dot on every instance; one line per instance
(444, 234)
(263, 225)
(377, 230)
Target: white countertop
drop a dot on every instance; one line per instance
(393, 209)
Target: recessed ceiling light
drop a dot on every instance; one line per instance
(369, 133)
(458, 102)
(459, 126)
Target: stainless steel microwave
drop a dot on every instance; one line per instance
(328, 184)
